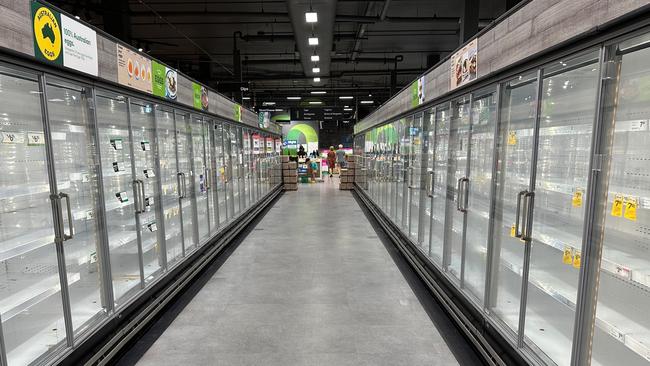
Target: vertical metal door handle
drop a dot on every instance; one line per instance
(180, 184)
(136, 182)
(184, 186)
(458, 183)
(409, 176)
(529, 202)
(143, 197)
(518, 213)
(207, 179)
(465, 187)
(430, 185)
(70, 223)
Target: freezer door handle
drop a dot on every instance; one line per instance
(529, 202)
(70, 223)
(208, 179)
(458, 194)
(410, 171)
(180, 184)
(136, 189)
(465, 189)
(430, 185)
(518, 234)
(143, 197)
(184, 186)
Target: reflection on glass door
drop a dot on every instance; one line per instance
(31, 310)
(171, 190)
(457, 185)
(221, 172)
(212, 174)
(622, 334)
(149, 214)
(75, 156)
(244, 146)
(414, 177)
(231, 184)
(439, 188)
(483, 122)
(514, 161)
(200, 182)
(120, 192)
(566, 120)
(397, 174)
(186, 176)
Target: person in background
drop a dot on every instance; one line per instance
(340, 158)
(311, 170)
(301, 152)
(331, 161)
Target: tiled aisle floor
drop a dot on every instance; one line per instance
(311, 285)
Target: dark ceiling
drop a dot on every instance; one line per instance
(367, 49)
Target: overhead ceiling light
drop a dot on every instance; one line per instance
(140, 49)
(315, 102)
(319, 92)
(347, 109)
(370, 95)
(346, 97)
(246, 98)
(315, 70)
(315, 58)
(317, 80)
(294, 98)
(268, 103)
(313, 41)
(346, 106)
(366, 102)
(311, 17)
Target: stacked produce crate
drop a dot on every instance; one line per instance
(275, 174)
(289, 174)
(347, 174)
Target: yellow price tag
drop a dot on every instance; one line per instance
(577, 258)
(630, 208)
(513, 231)
(577, 198)
(567, 256)
(512, 138)
(617, 206)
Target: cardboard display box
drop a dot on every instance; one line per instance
(292, 165)
(290, 187)
(346, 186)
(285, 158)
(289, 173)
(285, 165)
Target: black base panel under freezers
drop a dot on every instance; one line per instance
(109, 342)
(487, 341)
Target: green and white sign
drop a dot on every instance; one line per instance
(61, 40)
(236, 112)
(200, 94)
(164, 81)
(417, 92)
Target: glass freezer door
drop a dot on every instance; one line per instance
(439, 189)
(121, 195)
(186, 177)
(414, 178)
(171, 190)
(31, 309)
(212, 175)
(622, 332)
(75, 165)
(514, 161)
(426, 201)
(397, 174)
(221, 172)
(244, 145)
(477, 189)
(457, 185)
(201, 179)
(567, 116)
(149, 213)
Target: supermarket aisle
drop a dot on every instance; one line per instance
(312, 284)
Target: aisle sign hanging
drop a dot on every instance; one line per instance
(464, 64)
(133, 69)
(62, 40)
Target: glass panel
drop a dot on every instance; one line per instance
(565, 134)
(457, 171)
(398, 187)
(119, 195)
(169, 180)
(245, 153)
(184, 151)
(478, 191)
(213, 177)
(199, 172)
(428, 149)
(514, 156)
(233, 187)
(622, 333)
(30, 299)
(439, 191)
(145, 154)
(222, 174)
(415, 175)
(75, 156)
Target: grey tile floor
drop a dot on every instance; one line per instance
(311, 285)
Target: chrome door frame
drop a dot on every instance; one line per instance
(213, 166)
(180, 196)
(138, 221)
(434, 125)
(424, 167)
(463, 246)
(161, 210)
(193, 197)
